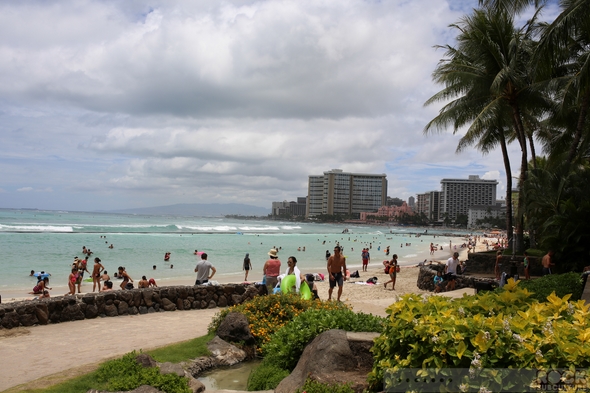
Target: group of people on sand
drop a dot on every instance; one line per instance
(336, 267)
(99, 275)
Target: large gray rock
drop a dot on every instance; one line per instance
(195, 385)
(235, 328)
(225, 353)
(145, 360)
(172, 368)
(201, 364)
(332, 357)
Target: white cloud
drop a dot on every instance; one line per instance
(107, 104)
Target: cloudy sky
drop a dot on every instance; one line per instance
(121, 104)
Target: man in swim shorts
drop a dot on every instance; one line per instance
(336, 268)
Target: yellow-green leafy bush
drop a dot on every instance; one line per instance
(266, 314)
(500, 329)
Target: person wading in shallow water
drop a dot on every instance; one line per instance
(336, 272)
(247, 266)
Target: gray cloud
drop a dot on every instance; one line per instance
(108, 104)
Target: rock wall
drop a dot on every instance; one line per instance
(427, 273)
(132, 302)
(484, 262)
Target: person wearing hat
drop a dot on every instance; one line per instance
(272, 269)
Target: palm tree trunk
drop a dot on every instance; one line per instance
(519, 248)
(579, 127)
(509, 222)
(532, 145)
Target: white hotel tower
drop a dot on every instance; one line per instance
(458, 195)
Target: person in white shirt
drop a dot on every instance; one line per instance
(451, 271)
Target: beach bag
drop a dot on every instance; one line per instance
(397, 269)
(355, 274)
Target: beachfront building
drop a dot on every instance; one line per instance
(458, 195)
(337, 192)
(484, 212)
(391, 212)
(292, 208)
(412, 202)
(429, 204)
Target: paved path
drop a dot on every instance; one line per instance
(27, 354)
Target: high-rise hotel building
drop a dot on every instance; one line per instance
(337, 192)
(458, 195)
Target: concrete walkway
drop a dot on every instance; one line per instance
(27, 354)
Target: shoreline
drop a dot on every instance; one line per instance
(375, 269)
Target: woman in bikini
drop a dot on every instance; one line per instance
(392, 272)
(96, 272)
(41, 286)
(72, 278)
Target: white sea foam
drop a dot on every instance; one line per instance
(220, 228)
(35, 228)
(263, 228)
(286, 227)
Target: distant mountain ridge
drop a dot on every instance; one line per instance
(199, 209)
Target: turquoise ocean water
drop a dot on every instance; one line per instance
(49, 241)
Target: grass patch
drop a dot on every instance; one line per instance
(182, 351)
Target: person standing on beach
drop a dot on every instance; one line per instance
(96, 272)
(547, 262)
(336, 272)
(72, 278)
(202, 269)
(247, 266)
(271, 270)
(366, 257)
(498, 265)
(392, 272)
(451, 270)
(82, 267)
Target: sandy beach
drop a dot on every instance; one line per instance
(255, 275)
(42, 355)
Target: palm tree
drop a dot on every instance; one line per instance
(487, 77)
(564, 49)
(563, 56)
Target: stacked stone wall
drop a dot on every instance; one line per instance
(130, 302)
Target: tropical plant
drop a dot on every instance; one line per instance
(488, 79)
(287, 344)
(560, 284)
(491, 330)
(558, 211)
(266, 314)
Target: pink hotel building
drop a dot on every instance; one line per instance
(392, 212)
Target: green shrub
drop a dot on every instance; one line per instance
(266, 314)
(505, 329)
(287, 344)
(318, 387)
(127, 374)
(561, 284)
(266, 377)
